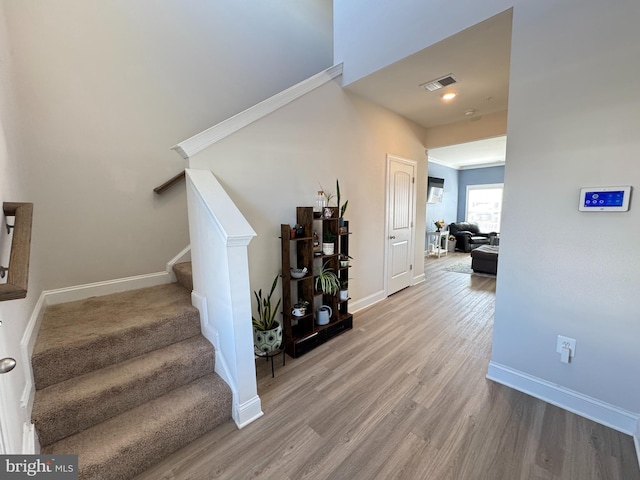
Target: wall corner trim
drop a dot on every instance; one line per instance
(570, 400)
(188, 148)
(248, 412)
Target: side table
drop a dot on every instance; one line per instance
(435, 247)
(269, 356)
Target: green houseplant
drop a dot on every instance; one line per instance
(327, 281)
(328, 245)
(343, 209)
(328, 196)
(328, 208)
(344, 260)
(267, 332)
(344, 290)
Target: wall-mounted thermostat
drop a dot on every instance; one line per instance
(604, 199)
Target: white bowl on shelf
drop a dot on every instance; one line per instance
(298, 272)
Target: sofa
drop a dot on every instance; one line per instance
(468, 236)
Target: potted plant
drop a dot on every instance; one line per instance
(327, 281)
(439, 225)
(267, 332)
(344, 260)
(328, 239)
(344, 290)
(342, 209)
(299, 309)
(328, 196)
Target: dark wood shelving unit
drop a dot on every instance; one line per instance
(302, 334)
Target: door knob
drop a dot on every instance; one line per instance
(7, 364)
(392, 237)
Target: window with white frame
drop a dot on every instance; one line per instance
(484, 206)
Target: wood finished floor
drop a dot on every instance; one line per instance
(404, 396)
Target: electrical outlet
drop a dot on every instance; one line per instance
(566, 342)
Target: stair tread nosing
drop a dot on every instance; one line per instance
(68, 407)
(131, 442)
(184, 274)
(78, 337)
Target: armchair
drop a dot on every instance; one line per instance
(468, 236)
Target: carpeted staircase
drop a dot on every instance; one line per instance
(124, 380)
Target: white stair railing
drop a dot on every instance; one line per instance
(221, 291)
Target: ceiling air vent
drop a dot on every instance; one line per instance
(439, 83)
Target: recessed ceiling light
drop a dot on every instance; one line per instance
(448, 96)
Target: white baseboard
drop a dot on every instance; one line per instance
(221, 368)
(367, 301)
(575, 402)
(30, 443)
(200, 302)
(27, 342)
(419, 279)
(81, 292)
(248, 412)
(183, 256)
(242, 414)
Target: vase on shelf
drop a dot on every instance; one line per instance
(328, 248)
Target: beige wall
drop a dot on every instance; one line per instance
(486, 126)
(276, 164)
(565, 131)
(92, 97)
(560, 140)
(105, 89)
(13, 313)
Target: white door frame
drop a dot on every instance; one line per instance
(414, 164)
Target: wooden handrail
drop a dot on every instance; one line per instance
(169, 183)
(18, 273)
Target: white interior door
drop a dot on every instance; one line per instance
(400, 222)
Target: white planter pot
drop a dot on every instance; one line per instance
(269, 340)
(327, 248)
(344, 295)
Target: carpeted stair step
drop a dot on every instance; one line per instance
(79, 337)
(131, 442)
(183, 274)
(71, 406)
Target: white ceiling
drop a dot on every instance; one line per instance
(479, 59)
(482, 153)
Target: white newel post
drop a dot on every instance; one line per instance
(221, 291)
